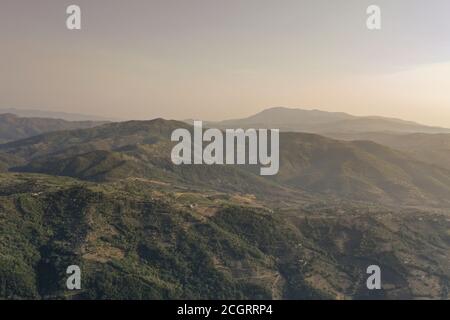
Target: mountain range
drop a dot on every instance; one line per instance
(323, 122)
(424, 143)
(36, 113)
(356, 170)
(13, 127)
(109, 199)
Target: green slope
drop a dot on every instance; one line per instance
(13, 127)
(147, 240)
(308, 163)
(360, 170)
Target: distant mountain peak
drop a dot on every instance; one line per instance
(14, 127)
(324, 122)
(291, 109)
(35, 113)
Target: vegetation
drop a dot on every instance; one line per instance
(161, 242)
(109, 200)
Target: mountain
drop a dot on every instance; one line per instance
(285, 119)
(143, 239)
(322, 122)
(361, 170)
(311, 165)
(431, 148)
(120, 150)
(33, 113)
(13, 127)
(109, 200)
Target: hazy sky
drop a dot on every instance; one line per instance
(216, 59)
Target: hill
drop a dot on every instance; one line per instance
(310, 164)
(316, 121)
(13, 127)
(121, 150)
(361, 170)
(109, 200)
(285, 119)
(431, 148)
(142, 239)
(34, 113)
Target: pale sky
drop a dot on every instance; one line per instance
(219, 59)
